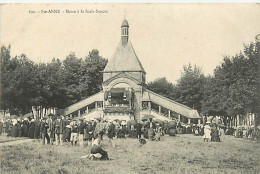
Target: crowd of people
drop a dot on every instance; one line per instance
(59, 129)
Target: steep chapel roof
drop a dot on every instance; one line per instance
(124, 59)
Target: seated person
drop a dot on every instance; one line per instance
(97, 149)
(120, 133)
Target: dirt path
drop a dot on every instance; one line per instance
(16, 142)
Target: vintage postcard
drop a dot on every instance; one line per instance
(129, 88)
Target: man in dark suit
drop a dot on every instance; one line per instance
(44, 130)
(111, 133)
(139, 129)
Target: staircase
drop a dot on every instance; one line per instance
(95, 113)
(155, 113)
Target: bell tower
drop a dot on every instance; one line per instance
(124, 32)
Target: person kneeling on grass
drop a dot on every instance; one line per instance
(96, 151)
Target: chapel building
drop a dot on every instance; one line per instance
(125, 96)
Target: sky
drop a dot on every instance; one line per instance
(165, 36)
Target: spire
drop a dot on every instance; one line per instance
(124, 32)
(124, 58)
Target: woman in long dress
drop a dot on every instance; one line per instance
(207, 131)
(31, 129)
(25, 127)
(14, 129)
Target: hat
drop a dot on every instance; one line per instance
(208, 122)
(32, 120)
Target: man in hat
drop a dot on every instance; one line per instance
(50, 129)
(44, 130)
(139, 129)
(64, 124)
(81, 127)
(67, 130)
(215, 133)
(58, 128)
(111, 133)
(74, 132)
(99, 130)
(89, 133)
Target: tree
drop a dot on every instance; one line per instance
(94, 65)
(190, 87)
(162, 86)
(17, 82)
(72, 66)
(56, 84)
(233, 88)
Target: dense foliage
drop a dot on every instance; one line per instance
(59, 84)
(231, 90)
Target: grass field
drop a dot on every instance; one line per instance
(180, 154)
(4, 138)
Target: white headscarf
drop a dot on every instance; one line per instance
(96, 142)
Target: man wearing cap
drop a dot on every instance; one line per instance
(58, 128)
